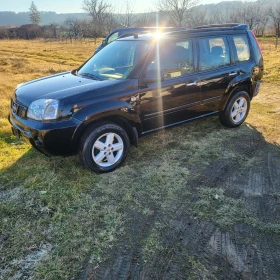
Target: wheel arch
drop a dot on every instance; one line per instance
(245, 86)
(130, 122)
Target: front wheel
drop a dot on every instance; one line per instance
(103, 147)
(236, 110)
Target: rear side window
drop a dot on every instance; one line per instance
(213, 53)
(242, 47)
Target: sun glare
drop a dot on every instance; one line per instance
(160, 107)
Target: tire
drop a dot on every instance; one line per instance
(236, 110)
(103, 147)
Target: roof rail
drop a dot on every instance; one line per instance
(226, 25)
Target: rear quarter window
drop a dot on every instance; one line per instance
(242, 47)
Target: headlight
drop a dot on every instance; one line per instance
(43, 109)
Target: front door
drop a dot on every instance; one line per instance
(177, 97)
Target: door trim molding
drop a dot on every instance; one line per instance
(177, 123)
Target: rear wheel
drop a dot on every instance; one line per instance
(103, 147)
(236, 110)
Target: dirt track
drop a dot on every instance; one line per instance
(197, 247)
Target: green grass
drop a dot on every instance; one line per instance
(54, 214)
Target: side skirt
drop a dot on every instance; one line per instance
(177, 123)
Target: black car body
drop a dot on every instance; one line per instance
(130, 31)
(150, 83)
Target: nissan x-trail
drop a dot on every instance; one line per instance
(137, 85)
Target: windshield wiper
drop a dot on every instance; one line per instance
(94, 77)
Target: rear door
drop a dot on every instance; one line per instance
(249, 59)
(216, 69)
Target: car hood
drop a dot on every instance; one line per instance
(58, 86)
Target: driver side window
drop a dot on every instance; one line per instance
(175, 59)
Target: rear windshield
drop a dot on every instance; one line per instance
(116, 60)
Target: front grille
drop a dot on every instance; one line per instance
(18, 109)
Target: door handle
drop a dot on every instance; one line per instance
(194, 83)
(234, 73)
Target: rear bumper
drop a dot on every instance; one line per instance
(52, 138)
(256, 88)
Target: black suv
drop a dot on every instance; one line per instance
(136, 85)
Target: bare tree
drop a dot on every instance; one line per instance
(34, 14)
(146, 19)
(253, 14)
(264, 19)
(53, 28)
(101, 16)
(73, 27)
(111, 22)
(128, 15)
(177, 11)
(76, 29)
(248, 13)
(197, 17)
(4, 33)
(274, 13)
(221, 13)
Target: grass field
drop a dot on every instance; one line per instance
(197, 201)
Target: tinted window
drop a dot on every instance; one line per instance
(175, 59)
(242, 47)
(213, 53)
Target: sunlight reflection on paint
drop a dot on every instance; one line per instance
(159, 95)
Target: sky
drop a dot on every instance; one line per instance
(74, 6)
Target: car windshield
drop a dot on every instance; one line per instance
(115, 61)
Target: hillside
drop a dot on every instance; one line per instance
(17, 19)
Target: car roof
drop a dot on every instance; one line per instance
(135, 29)
(139, 37)
(205, 30)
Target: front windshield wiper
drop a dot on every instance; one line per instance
(94, 77)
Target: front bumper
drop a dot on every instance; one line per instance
(50, 138)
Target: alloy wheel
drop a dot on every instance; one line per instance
(107, 149)
(239, 110)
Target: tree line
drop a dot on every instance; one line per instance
(262, 16)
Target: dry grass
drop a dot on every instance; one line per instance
(54, 214)
(271, 57)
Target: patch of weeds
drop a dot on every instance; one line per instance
(18, 63)
(264, 227)
(227, 212)
(198, 270)
(141, 187)
(4, 62)
(152, 244)
(52, 71)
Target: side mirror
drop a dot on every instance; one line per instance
(153, 76)
(104, 43)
